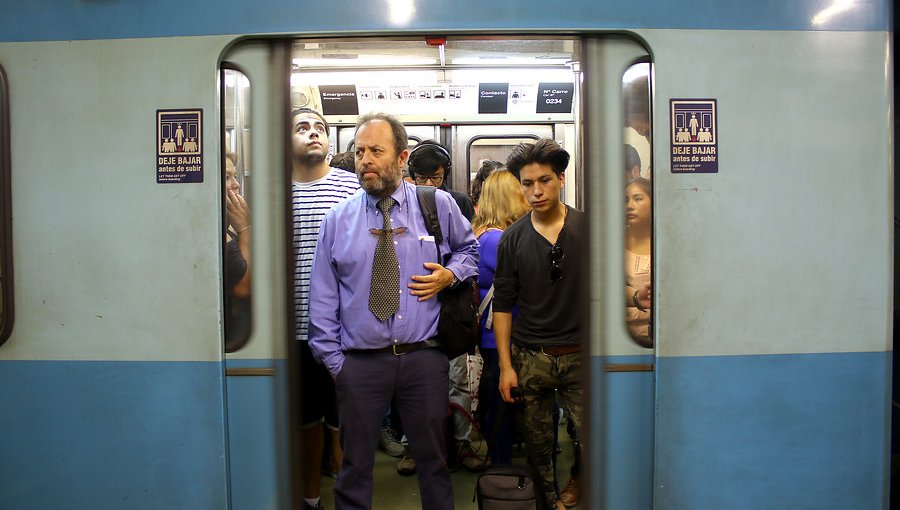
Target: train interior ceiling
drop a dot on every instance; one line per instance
(478, 97)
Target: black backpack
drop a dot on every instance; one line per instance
(458, 323)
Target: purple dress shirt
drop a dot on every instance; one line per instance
(339, 316)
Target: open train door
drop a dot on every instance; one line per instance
(618, 454)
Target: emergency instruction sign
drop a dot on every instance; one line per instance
(179, 146)
(339, 100)
(694, 136)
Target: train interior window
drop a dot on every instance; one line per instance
(6, 293)
(491, 149)
(486, 154)
(237, 178)
(638, 203)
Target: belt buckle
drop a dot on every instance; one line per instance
(544, 352)
(394, 350)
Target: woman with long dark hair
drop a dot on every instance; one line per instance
(638, 234)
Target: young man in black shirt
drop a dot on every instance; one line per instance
(539, 269)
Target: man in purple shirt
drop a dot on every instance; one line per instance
(376, 361)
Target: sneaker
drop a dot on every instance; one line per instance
(470, 460)
(571, 493)
(389, 444)
(307, 506)
(406, 466)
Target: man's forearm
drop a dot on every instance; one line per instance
(502, 331)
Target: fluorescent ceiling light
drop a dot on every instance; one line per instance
(363, 78)
(364, 60)
(501, 60)
(510, 75)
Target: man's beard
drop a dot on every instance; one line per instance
(383, 186)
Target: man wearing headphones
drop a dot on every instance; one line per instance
(429, 165)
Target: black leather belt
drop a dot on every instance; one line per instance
(398, 349)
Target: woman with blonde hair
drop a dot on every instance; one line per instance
(504, 203)
(501, 204)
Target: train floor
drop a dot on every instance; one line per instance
(396, 492)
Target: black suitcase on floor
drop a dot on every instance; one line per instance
(506, 488)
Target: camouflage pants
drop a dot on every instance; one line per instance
(543, 379)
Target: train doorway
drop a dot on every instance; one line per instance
(569, 89)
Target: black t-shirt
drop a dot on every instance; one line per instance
(235, 265)
(549, 312)
(464, 203)
(237, 309)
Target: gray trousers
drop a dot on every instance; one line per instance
(417, 384)
(460, 395)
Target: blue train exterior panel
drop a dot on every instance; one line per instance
(773, 431)
(111, 435)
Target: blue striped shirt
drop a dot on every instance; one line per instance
(311, 200)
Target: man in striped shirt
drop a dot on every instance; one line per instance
(316, 188)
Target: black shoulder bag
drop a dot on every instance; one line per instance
(458, 323)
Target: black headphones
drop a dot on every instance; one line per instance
(436, 146)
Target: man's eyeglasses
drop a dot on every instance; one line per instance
(556, 257)
(423, 180)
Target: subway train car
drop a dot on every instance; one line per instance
(768, 384)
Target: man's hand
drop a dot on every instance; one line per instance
(508, 380)
(427, 286)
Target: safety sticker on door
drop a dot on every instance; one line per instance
(694, 136)
(179, 146)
